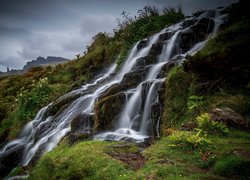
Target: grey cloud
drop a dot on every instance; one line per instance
(12, 62)
(93, 24)
(64, 28)
(17, 32)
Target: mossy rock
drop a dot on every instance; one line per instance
(115, 88)
(132, 79)
(107, 111)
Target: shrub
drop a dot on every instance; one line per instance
(233, 166)
(190, 141)
(211, 127)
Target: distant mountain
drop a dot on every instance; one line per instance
(41, 61)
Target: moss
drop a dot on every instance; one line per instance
(107, 111)
(85, 160)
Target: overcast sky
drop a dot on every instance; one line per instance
(32, 28)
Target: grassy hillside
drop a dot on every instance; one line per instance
(22, 96)
(205, 132)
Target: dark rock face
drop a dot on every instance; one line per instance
(188, 23)
(203, 27)
(155, 116)
(133, 78)
(142, 62)
(81, 128)
(10, 160)
(188, 39)
(142, 44)
(107, 111)
(229, 117)
(81, 122)
(136, 122)
(165, 36)
(156, 49)
(113, 90)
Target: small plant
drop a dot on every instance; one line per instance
(190, 141)
(194, 102)
(212, 127)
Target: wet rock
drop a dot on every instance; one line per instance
(156, 49)
(165, 36)
(61, 102)
(81, 122)
(136, 122)
(107, 111)
(81, 128)
(188, 23)
(229, 117)
(10, 159)
(170, 65)
(143, 62)
(161, 95)
(133, 78)
(202, 28)
(113, 90)
(145, 88)
(155, 117)
(79, 136)
(142, 44)
(188, 39)
(162, 73)
(140, 64)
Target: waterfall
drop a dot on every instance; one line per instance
(135, 122)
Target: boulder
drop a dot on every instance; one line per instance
(10, 159)
(115, 88)
(202, 28)
(82, 122)
(229, 117)
(142, 44)
(188, 39)
(136, 122)
(143, 62)
(155, 117)
(165, 36)
(81, 128)
(156, 49)
(188, 23)
(140, 64)
(107, 111)
(133, 78)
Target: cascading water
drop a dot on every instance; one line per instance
(135, 110)
(137, 120)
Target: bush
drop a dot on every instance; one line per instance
(211, 127)
(190, 141)
(233, 166)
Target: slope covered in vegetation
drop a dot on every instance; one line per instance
(204, 128)
(22, 96)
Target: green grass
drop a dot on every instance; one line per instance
(89, 160)
(86, 160)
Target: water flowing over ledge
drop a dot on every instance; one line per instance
(141, 112)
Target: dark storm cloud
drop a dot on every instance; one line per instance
(32, 28)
